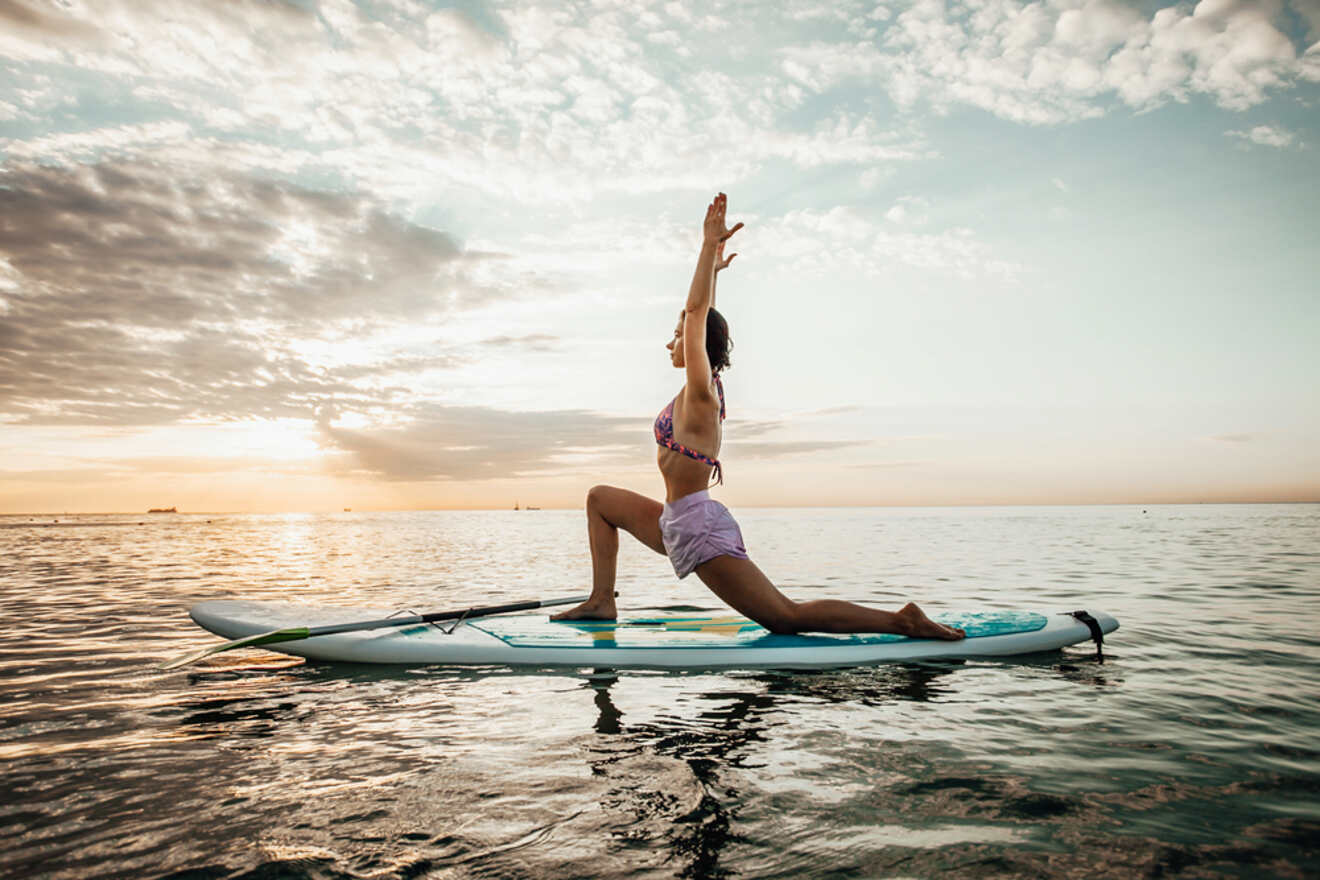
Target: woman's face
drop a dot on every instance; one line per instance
(675, 345)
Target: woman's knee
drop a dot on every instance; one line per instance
(596, 496)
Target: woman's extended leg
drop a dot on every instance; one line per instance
(742, 586)
(608, 510)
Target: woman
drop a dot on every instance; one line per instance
(696, 532)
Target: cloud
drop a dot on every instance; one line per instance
(909, 210)
(573, 99)
(814, 242)
(834, 410)
(442, 442)
(528, 342)
(136, 294)
(78, 146)
(29, 25)
(1267, 136)
(101, 470)
(531, 102)
(1052, 62)
(439, 442)
(787, 447)
(563, 102)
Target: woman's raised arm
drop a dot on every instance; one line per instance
(701, 296)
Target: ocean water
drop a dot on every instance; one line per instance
(1192, 751)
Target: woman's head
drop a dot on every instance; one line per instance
(718, 343)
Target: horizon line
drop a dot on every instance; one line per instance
(474, 508)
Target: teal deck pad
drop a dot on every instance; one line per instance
(537, 631)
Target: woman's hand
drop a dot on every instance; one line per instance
(715, 230)
(720, 262)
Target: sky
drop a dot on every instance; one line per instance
(303, 256)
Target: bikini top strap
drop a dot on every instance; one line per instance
(719, 389)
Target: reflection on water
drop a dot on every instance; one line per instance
(676, 780)
(1190, 752)
(672, 779)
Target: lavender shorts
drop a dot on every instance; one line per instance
(696, 528)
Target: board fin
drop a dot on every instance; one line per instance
(1097, 635)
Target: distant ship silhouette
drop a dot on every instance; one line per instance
(163, 510)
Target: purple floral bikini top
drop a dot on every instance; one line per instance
(664, 433)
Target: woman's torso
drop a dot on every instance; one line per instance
(700, 433)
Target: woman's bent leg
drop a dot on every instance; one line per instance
(608, 510)
(742, 586)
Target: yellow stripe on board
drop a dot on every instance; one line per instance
(730, 629)
(604, 631)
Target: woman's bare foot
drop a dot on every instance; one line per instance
(589, 610)
(919, 626)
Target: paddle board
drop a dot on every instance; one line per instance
(692, 642)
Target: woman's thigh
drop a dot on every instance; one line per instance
(634, 513)
(745, 588)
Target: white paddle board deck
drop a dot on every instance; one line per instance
(693, 642)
